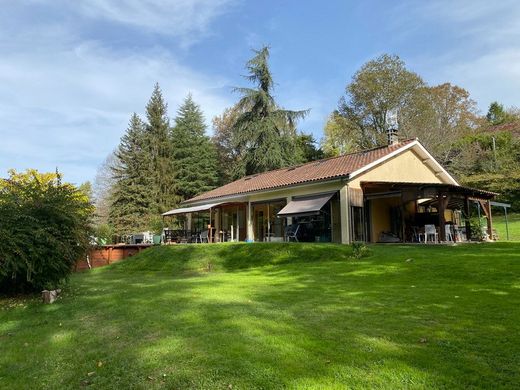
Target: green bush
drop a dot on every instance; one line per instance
(359, 250)
(44, 230)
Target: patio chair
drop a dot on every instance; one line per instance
(204, 236)
(291, 231)
(448, 233)
(430, 232)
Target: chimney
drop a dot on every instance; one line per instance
(392, 136)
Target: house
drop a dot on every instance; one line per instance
(386, 194)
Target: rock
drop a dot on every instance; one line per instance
(49, 296)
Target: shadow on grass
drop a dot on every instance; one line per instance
(275, 316)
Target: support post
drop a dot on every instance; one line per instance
(443, 203)
(344, 212)
(489, 220)
(250, 235)
(507, 226)
(467, 212)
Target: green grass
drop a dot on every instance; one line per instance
(513, 225)
(297, 316)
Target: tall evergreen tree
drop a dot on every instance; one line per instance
(264, 132)
(131, 194)
(159, 150)
(194, 155)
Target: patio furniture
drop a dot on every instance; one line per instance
(204, 236)
(431, 232)
(449, 234)
(291, 231)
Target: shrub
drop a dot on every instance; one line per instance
(44, 230)
(359, 250)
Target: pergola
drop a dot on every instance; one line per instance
(439, 195)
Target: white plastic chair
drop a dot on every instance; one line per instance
(204, 236)
(448, 233)
(430, 231)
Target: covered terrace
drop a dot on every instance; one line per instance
(404, 210)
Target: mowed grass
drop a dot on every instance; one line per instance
(297, 316)
(499, 223)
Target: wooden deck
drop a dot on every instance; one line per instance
(108, 254)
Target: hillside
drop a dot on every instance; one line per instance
(243, 316)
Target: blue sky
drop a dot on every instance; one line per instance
(72, 72)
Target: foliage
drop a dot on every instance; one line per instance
(276, 316)
(104, 234)
(131, 196)
(263, 132)
(307, 148)
(496, 114)
(359, 250)
(103, 187)
(491, 165)
(45, 229)
(340, 136)
(194, 155)
(228, 154)
(375, 97)
(439, 116)
(159, 168)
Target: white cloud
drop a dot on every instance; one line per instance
(65, 101)
(480, 50)
(182, 18)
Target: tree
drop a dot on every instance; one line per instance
(194, 156)
(228, 154)
(307, 148)
(496, 114)
(131, 197)
(45, 229)
(377, 93)
(103, 187)
(264, 133)
(159, 154)
(439, 116)
(341, 136)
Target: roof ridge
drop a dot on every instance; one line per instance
(324, 159)
(265, 180)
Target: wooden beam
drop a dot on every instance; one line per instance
(467, 212)
(489, 220)
(442, 203)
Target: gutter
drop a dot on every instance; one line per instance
(225, 198)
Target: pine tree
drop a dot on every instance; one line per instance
(264, 132)
(160, 162)
(195, 158)
(131, 194)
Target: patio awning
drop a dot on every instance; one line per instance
(187, 210)
(305, 206)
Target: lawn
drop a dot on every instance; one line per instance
(513, 225)
(298, 316)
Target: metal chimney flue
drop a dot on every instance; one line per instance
(392, 136)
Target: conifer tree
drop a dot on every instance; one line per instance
(159, 152)
(131, 194)
(264, 132)
(194, 155)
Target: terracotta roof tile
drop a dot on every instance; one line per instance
(330, 168)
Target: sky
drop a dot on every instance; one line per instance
(72, 72)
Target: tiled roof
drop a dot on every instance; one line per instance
(330, 168)
(511, 127)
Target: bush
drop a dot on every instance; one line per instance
(44, 230)
(359, 250)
